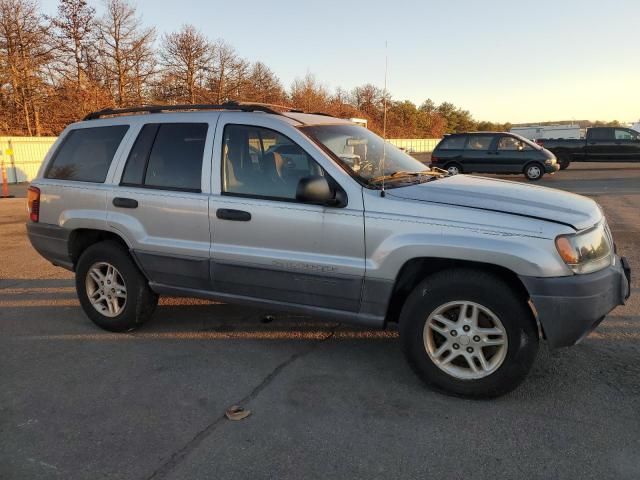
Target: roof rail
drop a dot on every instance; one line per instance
(242, 106)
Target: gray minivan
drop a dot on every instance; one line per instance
(493, 152)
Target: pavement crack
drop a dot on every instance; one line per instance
(181, 454)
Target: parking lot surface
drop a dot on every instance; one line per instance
(327, 400)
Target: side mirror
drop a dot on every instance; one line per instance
(316, 190)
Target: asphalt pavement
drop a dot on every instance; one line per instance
(327, 400)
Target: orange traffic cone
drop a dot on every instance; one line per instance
(5, 183)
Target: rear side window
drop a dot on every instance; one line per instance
(452, 143)
(479, 142)
(601, 134)
(86, 154)
(167, 156)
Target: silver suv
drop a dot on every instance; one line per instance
(309, 213)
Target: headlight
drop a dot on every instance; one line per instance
(587, 251)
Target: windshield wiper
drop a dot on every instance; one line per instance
(401, 174)
(398, 174)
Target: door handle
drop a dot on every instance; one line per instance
(125, 202)
(233, 215)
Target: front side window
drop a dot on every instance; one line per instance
(167, 156)
(479, 142)
(263, 163)
(512, 143)
(85, 154)
(624, 135)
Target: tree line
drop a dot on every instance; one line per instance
(56, 69)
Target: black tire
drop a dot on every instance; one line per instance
(140, 300)
(531, 168)
(489, 291)
(455, 165)
(563, 160)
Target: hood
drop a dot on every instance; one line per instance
(504, 196)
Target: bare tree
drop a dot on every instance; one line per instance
(186, 55)
(24, 52)
(309, 94)
(225, 60)
(263, 85)
(124, 44)
(73, 28)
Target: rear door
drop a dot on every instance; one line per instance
(162, 202)
(479, 154)
(601, 145)
(266, 244)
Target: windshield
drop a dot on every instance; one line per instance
(362, 151)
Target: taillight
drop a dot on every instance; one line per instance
(434, 159)
(540, 142)
(33, 203)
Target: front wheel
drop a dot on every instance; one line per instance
(534, 171)
(467, 333)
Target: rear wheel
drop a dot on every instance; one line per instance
(112, 291)
(467, 333)
(534, 171)
(453, 168)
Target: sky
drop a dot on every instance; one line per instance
(518, 61)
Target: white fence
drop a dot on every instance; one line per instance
(415, 145)
(22, 156)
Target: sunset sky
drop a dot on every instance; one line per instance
(512, 61)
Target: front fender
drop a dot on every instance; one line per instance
(517, 253)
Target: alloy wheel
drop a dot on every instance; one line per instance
(465, 340)
(106, 289)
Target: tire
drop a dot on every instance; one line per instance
(453, 168)
(534, 171)
(119, 314)
(506, 365)
(563, 161)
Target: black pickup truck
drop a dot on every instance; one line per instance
(603, 144)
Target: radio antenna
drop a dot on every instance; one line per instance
(384, 115)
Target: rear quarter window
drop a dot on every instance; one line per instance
(85, 154)
(452, 143)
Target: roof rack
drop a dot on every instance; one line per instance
(242, 106)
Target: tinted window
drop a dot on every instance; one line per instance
(601, 134)
(452, 143)
(137, 161)
(167, 156)
(86, 154)
(479, 142)
(624, 135)
(261, 162)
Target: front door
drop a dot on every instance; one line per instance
(627, 144)
(510, 154)
(266, 244)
